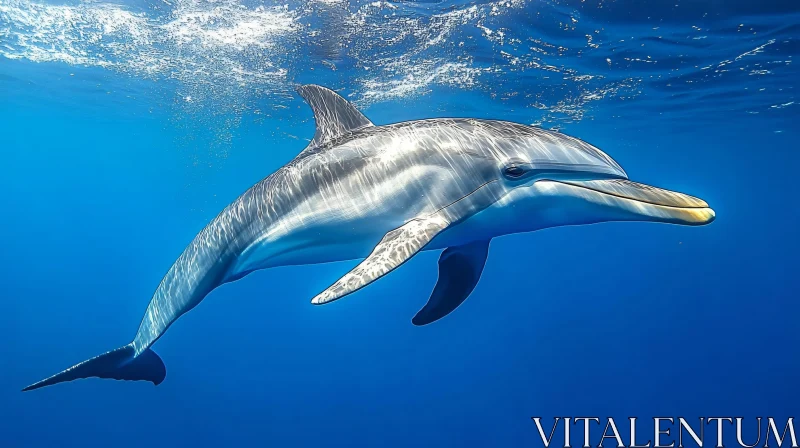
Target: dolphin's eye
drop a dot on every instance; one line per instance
(513, 171)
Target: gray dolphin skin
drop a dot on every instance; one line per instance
(384, 193)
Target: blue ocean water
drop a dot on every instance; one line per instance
(127, 126)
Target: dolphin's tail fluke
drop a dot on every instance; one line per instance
(119, 364)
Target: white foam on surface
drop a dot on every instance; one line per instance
(550, 58)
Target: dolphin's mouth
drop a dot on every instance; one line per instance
(648, 201)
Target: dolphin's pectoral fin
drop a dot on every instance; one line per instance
(333, 114)
(394, 249)
(460, 269)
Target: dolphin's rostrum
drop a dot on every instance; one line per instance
(384, 193)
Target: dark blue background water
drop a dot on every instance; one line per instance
(108, 170)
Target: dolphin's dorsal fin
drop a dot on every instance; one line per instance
(334, 115)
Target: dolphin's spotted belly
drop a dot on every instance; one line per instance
(318, 245)
(356, 238)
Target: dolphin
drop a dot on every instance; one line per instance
(383, 194)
